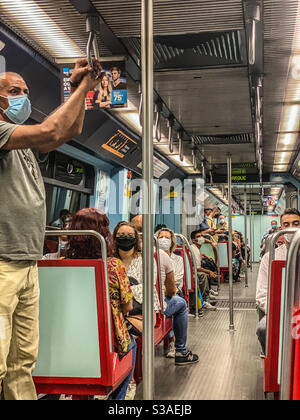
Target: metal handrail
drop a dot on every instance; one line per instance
(289, 302)
(272, 243)
(159, 272)
(187, 245)
(104, 258)
(157, 249)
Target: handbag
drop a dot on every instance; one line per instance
(134, 324)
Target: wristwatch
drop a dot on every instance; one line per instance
(74, 84)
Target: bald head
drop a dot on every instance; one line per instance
(137, 221)
(9, 80)
(11, 84)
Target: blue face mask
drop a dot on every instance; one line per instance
(19, 108)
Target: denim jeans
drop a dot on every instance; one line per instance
(261, 333)
(120, 392)
(177, 309)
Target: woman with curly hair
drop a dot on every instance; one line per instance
(121, 295)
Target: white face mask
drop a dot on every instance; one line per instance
(164, 243)
(200, 241)
(288, 237)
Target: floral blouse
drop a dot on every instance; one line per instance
(120, 293)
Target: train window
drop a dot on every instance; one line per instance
(68, 183)
(58, 198)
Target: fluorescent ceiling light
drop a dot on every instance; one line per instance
(39, 26)
(283, 157)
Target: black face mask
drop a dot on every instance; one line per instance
(126, 243)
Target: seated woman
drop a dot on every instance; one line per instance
(167, 242)
(126, 247)
(121, 295)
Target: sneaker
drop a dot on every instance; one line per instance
(213, 292)
(262, 355)
(200, 313)
(211, 297)
(131, 391)
(170, 352)
(209, 306)
(186, 359)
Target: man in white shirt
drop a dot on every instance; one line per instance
(289, 219)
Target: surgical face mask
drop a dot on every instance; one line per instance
(288, 237)
(222, 221)
(126, 243)
(164, 243)
(19, 108)
(200, 241)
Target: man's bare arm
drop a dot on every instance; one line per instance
(63, 124)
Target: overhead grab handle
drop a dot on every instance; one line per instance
(179, 136)
(141, 105)
(157, 127)
(170, 138)
(92, 28)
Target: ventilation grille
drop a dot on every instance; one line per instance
(223, 46)
(235, 139)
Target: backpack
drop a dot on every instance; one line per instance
(209, 264)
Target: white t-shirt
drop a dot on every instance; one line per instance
(135, 270)
(197, 255)
(262, 278)
(177, 261)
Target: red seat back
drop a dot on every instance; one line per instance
(112, 370)
(271, 361)
(295, 365)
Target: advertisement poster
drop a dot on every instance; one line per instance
(111, 92)
(119, 144)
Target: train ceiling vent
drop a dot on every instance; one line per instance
(188, 51)
(225, 139)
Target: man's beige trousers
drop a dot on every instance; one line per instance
(19, 329)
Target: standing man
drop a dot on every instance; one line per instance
(289, 219)
(23, 217)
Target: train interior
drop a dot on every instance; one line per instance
(226, 80)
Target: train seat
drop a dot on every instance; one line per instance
(76, 350)
(295, 385)
(223, 252)
(209, 251)
(271, 383)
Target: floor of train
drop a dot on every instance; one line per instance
(229, 367)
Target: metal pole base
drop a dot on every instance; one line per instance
(231, 328)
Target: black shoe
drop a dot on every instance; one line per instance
(186, 359)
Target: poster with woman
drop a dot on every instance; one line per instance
(111, 92)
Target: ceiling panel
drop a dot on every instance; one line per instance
(208, 102)
(172, 17)
(279, 26)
